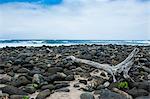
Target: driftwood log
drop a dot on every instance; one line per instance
(122, 67)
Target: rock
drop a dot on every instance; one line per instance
(35, 70)
(49, 86)
(142, 85)
(72, 67)
(142, 60)
(83, 81)
(3, 81)
(68, 72)
(76, 85)
(37, 78)
(22, 80)
(11, 90)
(30, 88)
(43, 94)
(29, 66)
(148, 76)
(54, 70)
(107, 94)
(143, 97)
(61, 85)
(62, 75)
(19, 97)
(79, 69)
(138, 92)
(23, 70)
(88, 88)
(86, 96)
(1, 71)
(17, 62)
(15, 68)
(147, 64)
(24, 55)
(56, 77)
(41, 65)
(2, 66)
(70, 78)
(3, 94)
(102, 86)
(63, 90)
(11, 73)
(5, 77)
(48, 65)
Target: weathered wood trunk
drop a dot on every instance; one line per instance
(122, 67)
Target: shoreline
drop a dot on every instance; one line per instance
(53, 45)
(44, 73)
(15, 43)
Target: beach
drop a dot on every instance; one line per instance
(44, 72)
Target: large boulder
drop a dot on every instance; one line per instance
(138, 92)
(11, 90)
(108, 94)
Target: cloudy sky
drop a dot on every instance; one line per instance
(75, 19)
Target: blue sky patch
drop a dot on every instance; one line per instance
(47, 2)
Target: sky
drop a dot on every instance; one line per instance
(75, 19)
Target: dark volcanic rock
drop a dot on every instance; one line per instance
(56, 77)
(30, 88)
(76, 85)
(22, 70)
(46, 65)
(30, 66)
(3, 81)
(142, 60)
(63, 90)
(70, 78)
(50, 87)
(11, 90)
(18, 96)
(54, 70)
(107, 94)
(22, 80)
(143, 97)
(83, 81)
(142, 85)
(86, 96)
(17, 62)
(147, 64)
(38, 79)
(61, 85)
(1, 71)
(43, 94)
(68, 72)
(138, 92)
(35, 70)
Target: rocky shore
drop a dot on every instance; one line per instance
(45, 73)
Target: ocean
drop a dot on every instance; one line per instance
(15, 43)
